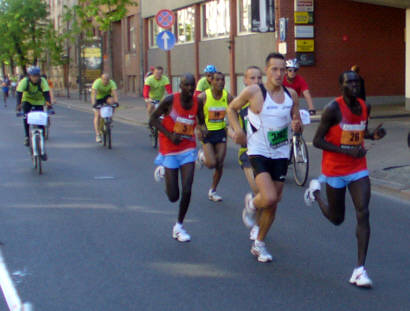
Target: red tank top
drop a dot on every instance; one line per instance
(180, 121)
(347, 134)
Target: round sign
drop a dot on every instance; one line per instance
(165, 18)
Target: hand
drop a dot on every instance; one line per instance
(312, 112)
(18, 108)
(296, 126)
(201, 133)
(175, 138)
(379, 132)
(239, 138)
(356, 152)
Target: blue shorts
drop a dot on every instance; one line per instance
(176, 160)
(343, 181)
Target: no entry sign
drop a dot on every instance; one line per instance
(165, 18)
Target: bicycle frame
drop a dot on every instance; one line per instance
(36, 130)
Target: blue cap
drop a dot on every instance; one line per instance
(33, 71)
(210, 69)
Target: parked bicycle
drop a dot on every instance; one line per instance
(38, 122)
(106, 113)
(299, 155)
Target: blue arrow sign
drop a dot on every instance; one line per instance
(166, 40)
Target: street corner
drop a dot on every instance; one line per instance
(393, 180)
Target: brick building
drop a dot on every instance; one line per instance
(346, 32)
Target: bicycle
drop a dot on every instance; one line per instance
(106, 113)
(37, 121)
(47, 127)
(153, 130)
(299, 154)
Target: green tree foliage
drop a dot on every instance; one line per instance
(26, 33)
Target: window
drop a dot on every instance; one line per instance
(185, 25)
(154, 30)
(131, 33)
(244, 16)
(215, 19)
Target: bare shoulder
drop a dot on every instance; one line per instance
(292, 92)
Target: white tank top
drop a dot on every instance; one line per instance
(268, 131)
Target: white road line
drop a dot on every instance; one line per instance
(9, 291)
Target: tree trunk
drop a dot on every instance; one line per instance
(3, 69)
(109, 52)
(12, 68)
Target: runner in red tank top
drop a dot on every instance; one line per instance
(341, 135)
(181, 113)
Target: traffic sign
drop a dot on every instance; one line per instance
(165, 18)
(166, 40)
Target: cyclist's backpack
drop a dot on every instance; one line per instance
(38, 84)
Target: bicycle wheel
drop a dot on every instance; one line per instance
(300, 159)
(47, 129)
(108, 130)
(38, 156)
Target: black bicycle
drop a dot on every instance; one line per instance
(106, 113)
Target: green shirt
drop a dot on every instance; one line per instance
(156, 87)
(103, 90)
(203, 85)
(33, 94)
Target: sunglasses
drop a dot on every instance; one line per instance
(291, 70)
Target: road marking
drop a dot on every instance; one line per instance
(9, 291)
(103, 177)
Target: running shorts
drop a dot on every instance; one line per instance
(343, 181)
(175, 161)
(277, 168)
(215, 137)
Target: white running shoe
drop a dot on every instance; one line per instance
(249, 212)
(259, 250)
(253, 235)
(309, 197)
(179, 233)
(159, 173)
(360, 278)
(98, 139)
(200, 159)
(213, 196)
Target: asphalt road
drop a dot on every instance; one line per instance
(94, 233)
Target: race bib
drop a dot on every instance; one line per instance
(352, 135)
(184, 126)
(278, 138)
(216, 114)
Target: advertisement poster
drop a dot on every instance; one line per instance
(92, 61)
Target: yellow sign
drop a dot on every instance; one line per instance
(305, 45)
(92, 52)
(303, 17)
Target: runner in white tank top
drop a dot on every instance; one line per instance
(272, 112)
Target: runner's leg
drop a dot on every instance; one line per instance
(360, 193)
(220, 150)
(97, 122)
(171, 184)
(250, 178)
(187, 178)
(210, 157)
(335, 209)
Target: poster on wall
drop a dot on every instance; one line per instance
(304, 18)
(304, 5)
(263, 15)
(306, 59)
(304, 31)
(92, 60)
(305, 45)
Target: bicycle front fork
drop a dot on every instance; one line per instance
(34, 134)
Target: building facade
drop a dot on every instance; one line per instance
(346, 33)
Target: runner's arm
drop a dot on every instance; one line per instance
(308, 98)
(201, 118)
(378, 133)
(163, 109)
(168, 88)
(330, 117)
(145, 91)
(297, 125)
(114, 94)
(236, 104)
(93, 94)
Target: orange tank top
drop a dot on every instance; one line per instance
(180, 121)
(347, 134)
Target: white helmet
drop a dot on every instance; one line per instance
(292, 63)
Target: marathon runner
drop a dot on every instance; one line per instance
(272, 111)
(296, 82)
(177, 146)
(216, 100)
(341, 134)
(253, 75)
(103, 90)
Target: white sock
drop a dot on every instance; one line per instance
(259, 243)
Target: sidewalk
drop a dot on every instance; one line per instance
(389, 163)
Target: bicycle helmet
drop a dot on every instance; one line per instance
(33, 71)
(210, 69)
(292, 63)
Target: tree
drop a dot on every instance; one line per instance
(100, 14)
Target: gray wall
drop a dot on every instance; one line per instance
(214, 52)
(183, 59)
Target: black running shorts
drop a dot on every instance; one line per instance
(277, 168)
(215, 137)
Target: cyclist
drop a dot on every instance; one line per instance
(155, 86)
(272, 110)
(296, 82)
(341, 134)
(205, 82)
(253, 75)
(32, 94)
(177, 146)
(6, 88)
(216, 100)
(103, 91)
